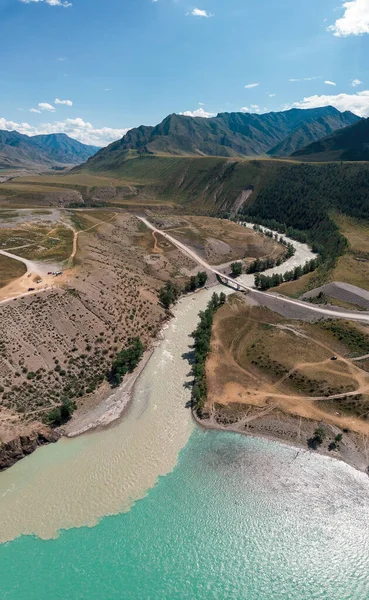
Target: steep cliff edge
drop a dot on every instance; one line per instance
(21, 445)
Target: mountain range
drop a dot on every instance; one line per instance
(227, 134)
(350, 143)
(41, 151)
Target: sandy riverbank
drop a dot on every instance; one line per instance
(111, 406)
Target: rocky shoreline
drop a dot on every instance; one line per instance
(285, 430)
(17, 448)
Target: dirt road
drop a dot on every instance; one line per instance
(360, 316)
(33, 266)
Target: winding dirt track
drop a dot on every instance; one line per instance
(41, 269)
(362, 316)
(266, 396)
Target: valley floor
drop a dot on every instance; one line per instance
(63, 331)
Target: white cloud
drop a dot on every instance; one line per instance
(329, 82)
(198, 12)
(65, 102)
(199, 112)
(12, 126)
(303, 79)
(76, 128)
(272, 95)
(63, 3)
(358, 103)
(46, 106)
(34, 110)
(201, 104)
(356, 82)
(355, 20)
(249, 86)
(253, 108)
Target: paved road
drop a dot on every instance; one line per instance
(353, 316)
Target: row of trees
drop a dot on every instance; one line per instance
(126, 362)
(201, 346)
(264, 282)
(170, 292)
(196, 281)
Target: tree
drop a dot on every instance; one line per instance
(257, 280)
(61, 414)
(202, 277)
(236, 269)
(125, 362)
(319, 436)
(169, 294)
(194, 283)
(215, 301)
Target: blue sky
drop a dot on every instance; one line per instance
(93, 68)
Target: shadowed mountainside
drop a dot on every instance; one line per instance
(350, 143)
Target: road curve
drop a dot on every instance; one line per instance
(362, 316)
(32, 266)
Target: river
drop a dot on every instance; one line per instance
(154, 508)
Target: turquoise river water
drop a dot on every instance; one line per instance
(237, 518)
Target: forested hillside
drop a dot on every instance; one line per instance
(302, 196)
(350, 143)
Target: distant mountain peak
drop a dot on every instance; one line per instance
(229, 134)
(42, 151)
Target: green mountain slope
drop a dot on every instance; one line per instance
(350, 143)
(21, 151)
(228, 134)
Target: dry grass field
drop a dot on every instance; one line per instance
(353, 267)
(219, 241)
(38, 242)
(262, 364)
(76, 190)
(9, 270)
